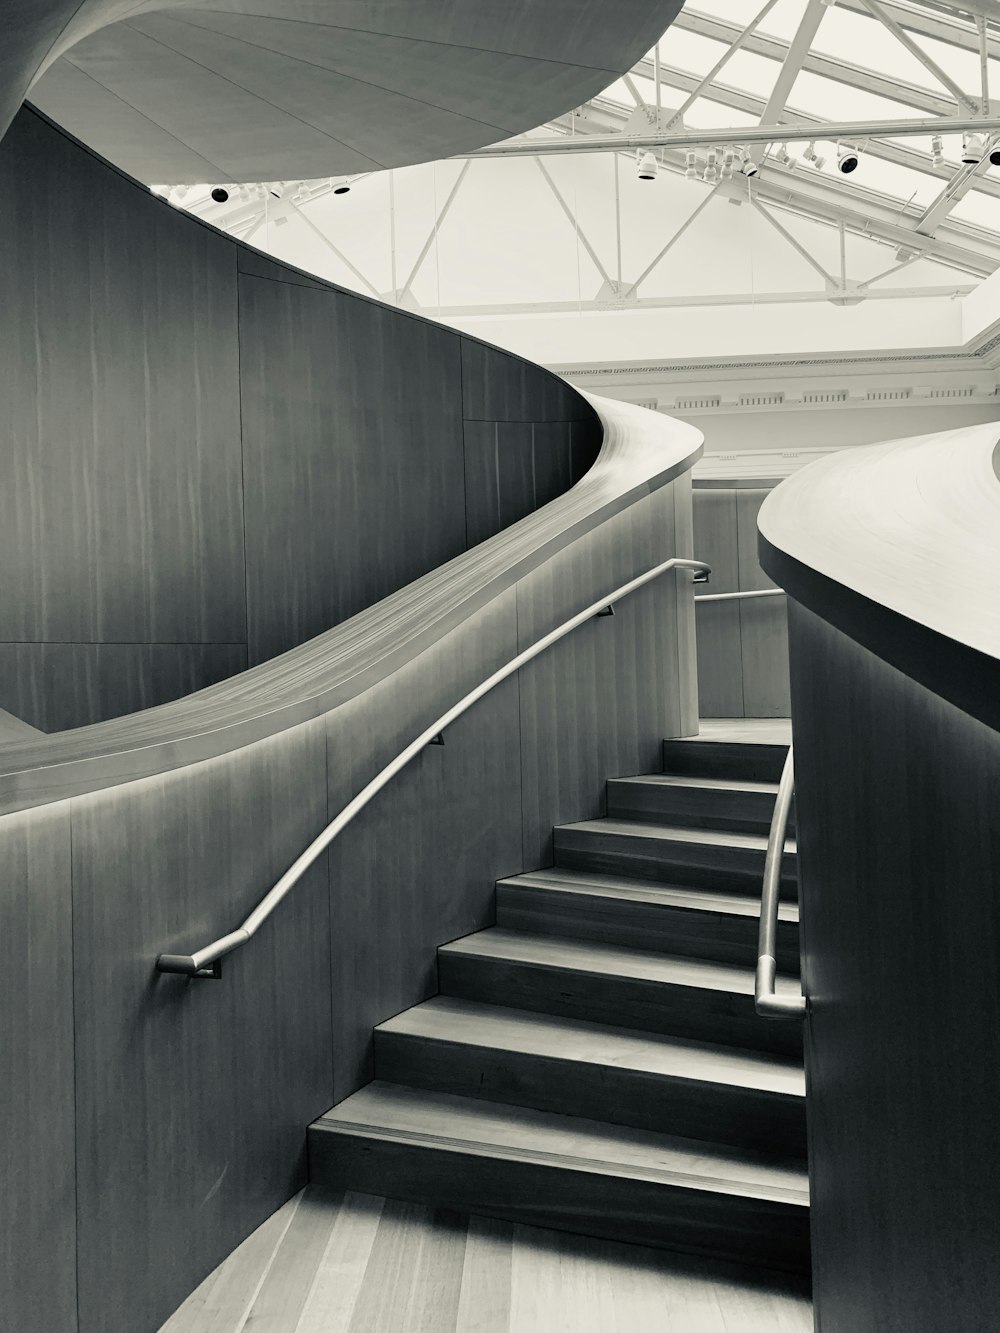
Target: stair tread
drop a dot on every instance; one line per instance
(610, 960)
(599, 885)
(470, 1023)
(711, 784)
(447, 1121)
(635, 828)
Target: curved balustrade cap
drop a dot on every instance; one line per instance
(642, 451)
(898, 545)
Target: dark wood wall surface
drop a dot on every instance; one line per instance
(137, 1166)
(148, 1122)
(211, 457)
(742, 644)
(899, 843)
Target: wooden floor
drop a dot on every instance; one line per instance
(765, 730)
(353, 1263)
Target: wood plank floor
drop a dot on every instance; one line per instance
(764, 730)
(354, 1263)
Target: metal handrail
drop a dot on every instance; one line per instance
(731, 596)
(207, 961)
(768, 1003)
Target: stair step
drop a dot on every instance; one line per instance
(753, 760)
(682, 997)
(698, 923)
(565, 1172)
(702, 858)
(618, 1075)
(692, 802)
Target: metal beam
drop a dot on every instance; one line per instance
(853, 131)
(432, 234)
(943, 29)
(574, 222)
(679, 302)
(791, 67)
(851, 76)
(917, 51)
(751, 105)
(740, 38)
(796, 245)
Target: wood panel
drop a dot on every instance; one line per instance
(121, 407)
(720, 669)
(56, 686)
(37, 1149)
(500, 387)
(191, 1097)
(898, 847)
(353, 456)
(742, 645)
(418, 867)
(599, 702)
(763, 621)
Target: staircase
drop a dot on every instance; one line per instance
(594, 1062)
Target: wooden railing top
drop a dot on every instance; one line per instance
(641, 452)
(898, 544)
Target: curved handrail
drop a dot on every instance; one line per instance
(768, 1002)
(207, 961)
(735, 596)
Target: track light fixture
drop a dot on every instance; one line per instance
(728, 157)
(646, 166)
(342, 187)
(220, 194)
(783, 156)
(691, 169)
(749, 167)
(973, 148)
(937, 151)
(711, 175)
(995, 156)
(847, 160)
(813, 157)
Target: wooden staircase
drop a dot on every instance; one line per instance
(594, 1062)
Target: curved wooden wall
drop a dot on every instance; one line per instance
(212, 457)
(149, 1123)
(891, 558)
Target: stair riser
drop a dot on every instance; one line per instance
(692, 807)
(719, 1113)
(675, 930)
(750, 1231)
(724, 759)
(681, 1011)
(696, 865)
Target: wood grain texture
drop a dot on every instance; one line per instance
(184, 1144)
(510, 1279)
(742, 645)
(37, 1146)
(418, 867)
(353, 458)
(899, 844)
(258, 456)
(58, 686)
(609, 694)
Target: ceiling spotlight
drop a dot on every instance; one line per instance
(728, 158)
(973, 148)
(819, 162)
(937, 152)
(691, 170)
(711, 174)
(646, 166)
(783, 156)
(995, 156)
(847, 160)
(220, 195)
(343, 188)
(749, 167)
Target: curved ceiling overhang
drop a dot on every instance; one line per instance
(180, 91)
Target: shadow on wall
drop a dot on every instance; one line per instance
(214, 457)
